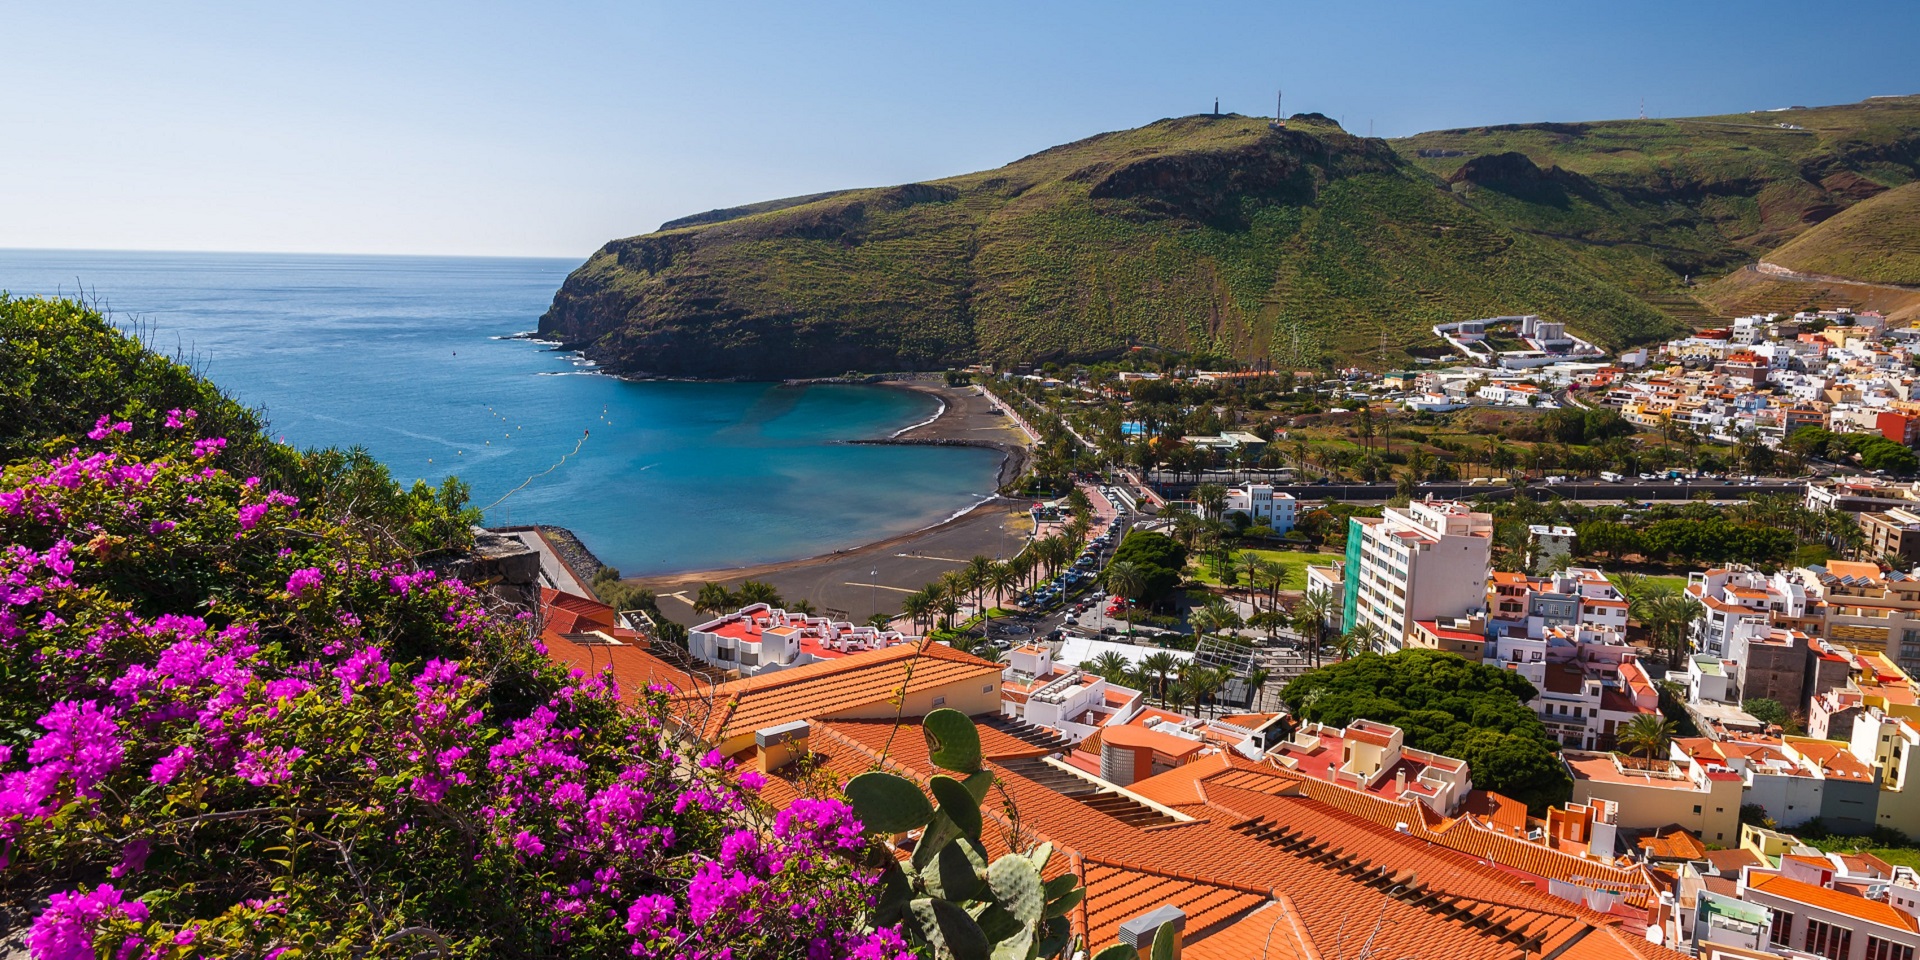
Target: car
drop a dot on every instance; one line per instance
(1070, 618)
(1109, 631)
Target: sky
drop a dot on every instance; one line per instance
(546, 129)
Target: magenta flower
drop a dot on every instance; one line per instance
(64, 931)
(304, 579)
(177, 418)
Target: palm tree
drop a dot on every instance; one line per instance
(880, 621)
(1311, 617)
(1250, 561)
(977, 571)
(1363, 638)
(1275, 575)
(918, 605)
(1211, 497)
(1002, 580)
(713, 600)
(987, 652)
(1125, 579)
(803, 607)
(1256, 681)
(1111, 666)
(1159, 665)
(1647, 735)
(1667, 617)
(756, 591)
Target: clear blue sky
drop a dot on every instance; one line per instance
(548, 128)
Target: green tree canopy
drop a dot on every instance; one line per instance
(1446, 705)
(1160, 560)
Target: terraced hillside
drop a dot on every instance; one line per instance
(1220, 235)
(1876, 241)
(1649, 204)
(1212, 234)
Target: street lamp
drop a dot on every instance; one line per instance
(873, 592)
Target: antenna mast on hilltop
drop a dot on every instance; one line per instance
(1279, 113)
(1643, 108)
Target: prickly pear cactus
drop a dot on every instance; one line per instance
(952, 902)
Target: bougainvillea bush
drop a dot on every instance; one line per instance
(237, 723)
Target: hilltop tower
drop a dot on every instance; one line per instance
(1216, 106)
(1279, 114)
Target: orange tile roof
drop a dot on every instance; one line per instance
(1141, 738)
(1860, 908)
(634, 669)
(821, 690)
(1673, 842)
(1341, 872)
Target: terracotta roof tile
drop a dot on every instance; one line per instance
(1859, 908)
(820, 690)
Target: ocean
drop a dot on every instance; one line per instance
(412, 358)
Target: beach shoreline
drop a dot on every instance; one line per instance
(853, 578)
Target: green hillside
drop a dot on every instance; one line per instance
(1876, 240)
(1220, 235)
(1211, 234)
(1645, 203)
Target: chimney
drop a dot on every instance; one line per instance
(1139, 932)
(1399, 782)
(780, 745)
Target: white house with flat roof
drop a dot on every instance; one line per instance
(1262, 504)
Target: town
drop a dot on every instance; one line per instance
(1716, 746)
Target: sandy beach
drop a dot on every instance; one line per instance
(871, 578)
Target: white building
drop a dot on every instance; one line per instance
(1425, 561)
(1262, 505)
(760, 638)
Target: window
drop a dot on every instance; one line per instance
(1827, 940)
(987, 689)
(1781, 935)
(1878, 949)
(1696, 808)
(939, 701)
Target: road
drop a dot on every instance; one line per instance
(1572, 490)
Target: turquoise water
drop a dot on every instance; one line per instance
(406, 356)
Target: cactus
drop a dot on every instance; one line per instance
(949, 898)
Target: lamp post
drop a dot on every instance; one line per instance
(873, 592)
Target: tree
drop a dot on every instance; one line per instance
(713, 600)
(1445, 705)
(1668, 618)
(1126, 580)
(1312, 617)
(1211, 497)
(1111, 666)
(1768, 710)
(1160, 665)
(1362, 638)
(1159, 561)
(1647, 735)
(756, 591)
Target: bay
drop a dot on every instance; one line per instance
(412, 358)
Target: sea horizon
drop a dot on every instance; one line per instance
(422, 359)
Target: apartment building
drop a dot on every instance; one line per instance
(1425, 561)
(1700, 795)
(1814, 909)
(1739, 604)
(1060, 697)
(1796, 779)
(1892, 533)
(760, 638)
(1374, 758)
(1262, 505)
(1522, 604)
(1867, 609)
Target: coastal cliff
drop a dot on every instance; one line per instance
(1221, 235)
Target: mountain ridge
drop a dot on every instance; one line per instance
(1218, 235)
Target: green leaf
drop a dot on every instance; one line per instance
(1017, 947)
(948, 928)
(1163, 943)
(957, 804)
(896, 892)
(952, 741)
(957, 873)
(940, 831)
(997, 923)
(1055, 935)
(888, 804)
(1058, 886)
(1040, 855)
(1016, 884)
(1067, 901)
(1118, 951)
